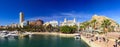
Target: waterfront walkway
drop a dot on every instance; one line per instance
(111, 37)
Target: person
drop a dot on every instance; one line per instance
(96, 38)
(99, 39)
(119, 37)
(116, 42)
(119, 43)
(92, 40)
(104, 39)
(107, 40)
(114, 46)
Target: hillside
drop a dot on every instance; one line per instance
(100, 19)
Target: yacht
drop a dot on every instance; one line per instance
(13, 34)
(4, 34)
(7, 34)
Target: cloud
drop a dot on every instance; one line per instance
(62, 15)
(77, 15)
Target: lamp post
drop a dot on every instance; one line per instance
(78, 26)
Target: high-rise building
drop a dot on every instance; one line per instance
(21, 19)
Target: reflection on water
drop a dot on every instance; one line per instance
(42, 41)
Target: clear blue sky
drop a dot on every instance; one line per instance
(57, 10)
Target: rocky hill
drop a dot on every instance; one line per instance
(100, 19)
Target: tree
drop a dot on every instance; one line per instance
(68, 29)
(82, 27)
(85, 25)
(74, 28)
(56, 29)
(105, 24)
(49, 28)
(94, 22)
(65, 29)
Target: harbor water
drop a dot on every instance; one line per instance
(42, 41)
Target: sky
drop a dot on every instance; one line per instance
(48, 10)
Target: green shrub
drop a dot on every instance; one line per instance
(68, 29)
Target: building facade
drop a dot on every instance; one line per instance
(14, 25)
(21, 18)
(54, 23)
(68, 22)
(36, 22)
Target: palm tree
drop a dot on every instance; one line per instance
(85, 25)
(106, 23)
(94, 22)
(49, 28)
(82, 27)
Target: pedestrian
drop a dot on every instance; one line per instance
(96, 38)
(116, 42)
(104, 39)
(119, 37)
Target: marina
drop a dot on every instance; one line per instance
(59, 23)
(43, 41)
(14, 34)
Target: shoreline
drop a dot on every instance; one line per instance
(54, 33)
(91, 44)
(110, 43)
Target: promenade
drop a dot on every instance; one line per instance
(111, 37)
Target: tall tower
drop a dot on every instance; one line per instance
(21, 19)
(65, 20)
(74, 20)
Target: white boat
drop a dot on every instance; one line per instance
(7, 34)
(77, 36)
(12, 34)
(4, 34)
(29, 34)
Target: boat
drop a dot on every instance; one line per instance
(28, 34)
(6, 34)
(3, 34)
(77, 36)
(13, 35)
